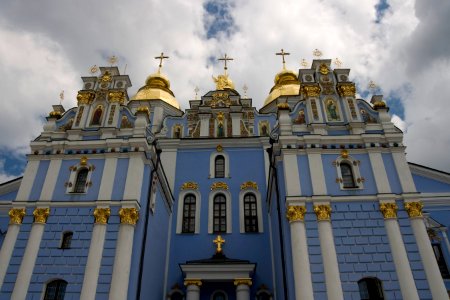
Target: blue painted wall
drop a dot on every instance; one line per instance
(428, 185)
(36, 189)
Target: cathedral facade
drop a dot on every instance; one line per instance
(309, 197)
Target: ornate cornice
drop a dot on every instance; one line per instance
(389, 210)
(16, 215)
(249, 185)
(414, 209)
(143, 109)
(41, 215)
(196, 282)
(323, 212)
(219, 186)
(116, 96)
(85, 97)
(283, 106)
(243, 281)
(295, 213)
(311, 90)
(129, 216)
(347, 89)
(102, 215)
(190, 185)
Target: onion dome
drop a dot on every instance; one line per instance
(157, 87)
(286, 84)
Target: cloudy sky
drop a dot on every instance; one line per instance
(402, 45)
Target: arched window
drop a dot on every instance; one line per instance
(219, 214)
(66, 240)
(219, 167)
(219, 296)
(250, 213)
(370, 289)
(55, 290)
(189, 214)
(80, 183)
(96, 118)
(347, 175)
(176, 296)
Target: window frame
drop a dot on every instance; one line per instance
(216, 166)
(259, 211)
(354, 165)
(378, 287)
(181, 196)
(212, 164)
(191, 211)
(74, 170)
(229, 219)
(219, 207)
(66, 240)
(58, 287)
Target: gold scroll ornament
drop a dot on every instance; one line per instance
(389, 210)
(101, 215)
(323, 212)
(41, 215)
(295, 213)
(16, 215)
(414, 209)
(129, 216)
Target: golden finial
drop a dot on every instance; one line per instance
(196, 90)
(112, 60)
(317, 53)
(372, 86)
(245, 88)
(219, 241)
(61, 97)
(225, 58)
(283, 54)
(304, 63)
(161, 57)
(94, 69)
(338, 63)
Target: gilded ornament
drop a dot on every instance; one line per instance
(101, 215)
(219, 148)
(129, 216)
(344, 154)
(347, 89)
(54, 114)
(389, 210)
(106, 77)
(296, 213)
(311, 90)
(83, 161)
(243, 281)
(323, 212)
(220, 99)
(317, 53)
(85, 97)
(414, 209)
(283, 106)
(223, 82)
(16, 215)
(379, 104)
(116, 96)
(219, 241)
(196, 282)
(190, 185)
(219, 186)
(41, 215)
(143, 109)
(324, 69)
(249, 185)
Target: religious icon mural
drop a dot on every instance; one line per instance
(332, 110)
(301, 117)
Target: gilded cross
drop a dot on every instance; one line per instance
(219, 241)
(112, 60)
(317, 53)
(161, 57)
(225, 58)
(245, 88)
(338, 62)
(304, 63)
(196, 90)
(283, 54)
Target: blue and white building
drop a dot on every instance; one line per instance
(309, 197)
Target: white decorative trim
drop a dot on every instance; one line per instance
(354, 164)
(211, 209)
(212, 164)
(429, 173)
(74, 170)
(257, 195)
(198, 198)
(26, 183)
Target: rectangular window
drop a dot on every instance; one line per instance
(220, 214)
(441, 261)
(189, 214)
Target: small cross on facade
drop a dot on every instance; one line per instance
(225, 58)
(283, 54)
(196, 90)
(161, 57)
(219, 241)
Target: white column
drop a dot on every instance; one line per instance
(236, 123)
(27, 181)
(107, 183)
(50, 179)
(379, 172)
(192, 289)
(434, 277)
(327, 247)
(243, 288)
(15, 219)
(204, 125)
(401, 262)
(300, 256)
(404, 173)
(291, 174)
(122, 260)
(91, 273)
(30, 254)
(316, 170)
(135, 176)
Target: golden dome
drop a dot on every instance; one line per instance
(286, 84)
(157, 87)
